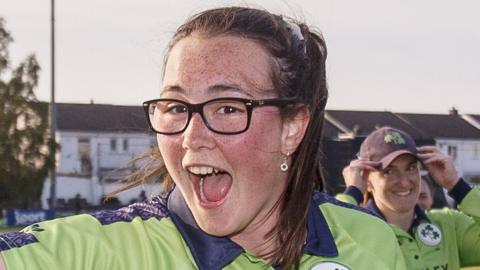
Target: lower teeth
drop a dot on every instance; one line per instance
(202, 194)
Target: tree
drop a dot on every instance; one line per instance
(24, 136)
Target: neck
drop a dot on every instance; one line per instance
(257, 240)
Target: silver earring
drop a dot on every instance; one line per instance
(284, 164)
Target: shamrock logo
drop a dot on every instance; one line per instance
(394, 137)
(429, 234)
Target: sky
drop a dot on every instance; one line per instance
(419, 56)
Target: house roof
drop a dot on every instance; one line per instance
(442, 125)
(117, 118)
(476, 117)
(364, 122)
(100, 118)
(329, 130)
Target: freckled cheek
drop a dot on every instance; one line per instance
(171, 150)
(251, 142)
(257, 151)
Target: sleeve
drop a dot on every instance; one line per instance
(67, 243)
(351, 195)
(467, 226)
(460, 191)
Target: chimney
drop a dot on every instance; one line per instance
(453, 111)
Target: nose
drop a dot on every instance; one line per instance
(197, 135)
(406, 179)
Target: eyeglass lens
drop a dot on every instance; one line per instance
(227, 116)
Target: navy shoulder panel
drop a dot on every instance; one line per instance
(16, 239)
(321, 198)
(156, 208)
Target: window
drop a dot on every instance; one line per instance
(452, 152)
(125, 144)
(113, 145)
(84, 155)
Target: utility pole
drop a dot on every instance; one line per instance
(53, 113)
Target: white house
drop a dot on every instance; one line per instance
(96, 144)
(471, 152)
(454, 136)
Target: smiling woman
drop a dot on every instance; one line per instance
(239, 124)
(387, 171)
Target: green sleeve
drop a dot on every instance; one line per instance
(346, 198)
(82, 242)
(67, 243)
(467, 225)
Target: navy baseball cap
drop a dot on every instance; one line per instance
(386, 144)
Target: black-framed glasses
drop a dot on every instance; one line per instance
(221, 115)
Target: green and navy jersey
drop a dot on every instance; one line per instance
(441, 239)
(162, 234)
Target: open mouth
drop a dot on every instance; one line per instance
(211, 184)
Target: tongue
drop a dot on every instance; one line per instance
(215, 187)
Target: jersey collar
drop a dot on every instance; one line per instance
(320, 240)
(372, 206)
(210, 252)
(419, 214)
(419, 217)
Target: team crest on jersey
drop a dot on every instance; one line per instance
(429, 234)
(329, 266)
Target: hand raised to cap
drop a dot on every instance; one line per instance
(356, 173)
(439, 165)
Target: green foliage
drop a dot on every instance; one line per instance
(24, 131)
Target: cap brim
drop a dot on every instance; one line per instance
(386, 160)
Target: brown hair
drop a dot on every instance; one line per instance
(298, 71)
(430, 183)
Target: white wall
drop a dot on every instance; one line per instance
(70, 180)
(467, 160)
(93, 191)
(468, 155)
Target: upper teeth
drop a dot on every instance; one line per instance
(202, 170)
(404, 193)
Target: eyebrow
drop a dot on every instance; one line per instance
(217, 88)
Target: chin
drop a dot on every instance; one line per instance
(404, 208)
(219, 230)
(214, 225)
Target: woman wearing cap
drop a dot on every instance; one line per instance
(386, 180)
(238, 121)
